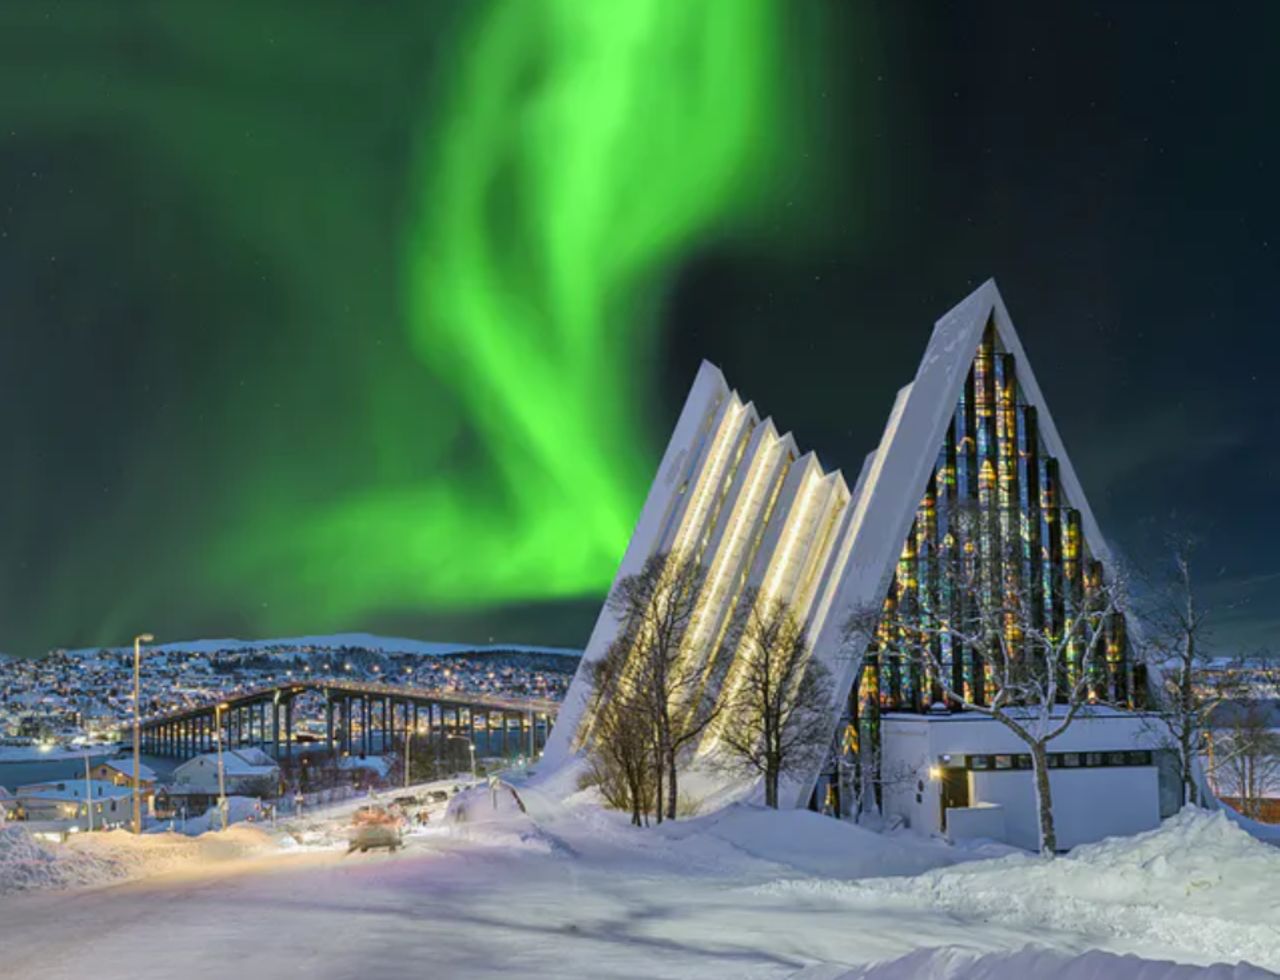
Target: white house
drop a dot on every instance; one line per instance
(71, 799)
(244, 769)
(120, 772)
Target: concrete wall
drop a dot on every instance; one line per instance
(1089, 803)
(969, 822)
(908, 792)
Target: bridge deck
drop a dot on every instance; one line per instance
(397, 692)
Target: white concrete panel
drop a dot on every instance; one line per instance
(1088, 804)
(985, 822)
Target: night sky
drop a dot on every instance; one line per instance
(377, 316)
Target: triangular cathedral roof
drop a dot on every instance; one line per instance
(898, 471)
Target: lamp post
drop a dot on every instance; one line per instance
(138, 640)
(222, 774)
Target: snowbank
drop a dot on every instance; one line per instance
(495, 816)
(956, 963)
(1269, 832)
(1198, 881)
(239, 809)
(103, 858)
(814, 844)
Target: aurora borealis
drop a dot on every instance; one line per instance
(426, 387)
(376, 318)
(548, 218)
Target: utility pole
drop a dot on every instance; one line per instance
(137, 728)
(222, 774)
(408, 748)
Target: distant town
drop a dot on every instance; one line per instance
(74, 698)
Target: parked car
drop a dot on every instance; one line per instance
(370, 836)
(374, 826)
(437, 796)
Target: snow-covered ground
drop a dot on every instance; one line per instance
(573, 891)
(58, 753)
(28, 864)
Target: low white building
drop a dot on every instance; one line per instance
(968, 776)
(71, 800)
(244, 769)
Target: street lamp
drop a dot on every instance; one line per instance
(222, 774)
(138, 640)
(88, 789)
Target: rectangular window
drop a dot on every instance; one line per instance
(1071, 760)
(979, 762)
(1093, 759)
(1004, 762)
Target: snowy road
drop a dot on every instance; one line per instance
(744, 895)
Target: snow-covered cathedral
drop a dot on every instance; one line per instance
(971, 434)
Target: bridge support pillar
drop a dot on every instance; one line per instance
(437, 734)
(389, 730)
(364, 732)
(328, 723)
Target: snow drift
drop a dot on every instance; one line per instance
(956, 963)
(495, 815)
(1196, 881)
(27, 864)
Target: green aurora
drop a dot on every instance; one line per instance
(418, 259)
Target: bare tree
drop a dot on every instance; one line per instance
(1248, 771)
(777, 717)
(621, 752)
(1177, 648)
(1037, 673)
(657, 609)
